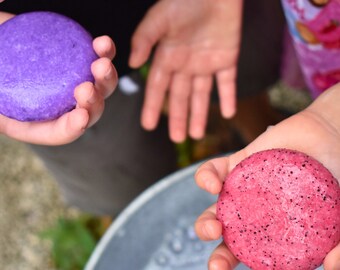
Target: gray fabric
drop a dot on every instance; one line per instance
(115, 160)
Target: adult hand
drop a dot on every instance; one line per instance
(194, 41)
(314, 131)
(90, 103)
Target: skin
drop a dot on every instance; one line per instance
(314, 131)
(90, 103)
(187, 54)
(195, 41)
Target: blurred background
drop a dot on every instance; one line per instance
(38, 231)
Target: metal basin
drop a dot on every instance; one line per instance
(156, 230)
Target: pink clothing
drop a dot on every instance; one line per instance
(315, 30)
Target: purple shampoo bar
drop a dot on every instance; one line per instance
(43, 57)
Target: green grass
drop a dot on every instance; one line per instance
(73, 241)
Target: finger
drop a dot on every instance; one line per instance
(200, 98)
(179, 106)
(332, 260)
(227, 91)
(211, 174)
(4, 16)
(149, 31)
(104, 47)
(65, 129)
(105, 76)
(222, 258)
(207, 227)
(156, 87)
(89, 99)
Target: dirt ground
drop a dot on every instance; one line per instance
(29, 204)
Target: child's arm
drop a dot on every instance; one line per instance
(314, 131)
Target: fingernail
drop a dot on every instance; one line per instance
(197, 133)
(132, 58)
(148, 120)
(108, 74)
(208, 185)
(93, 98)
(178, 136)
(227, 112)
(208, 228)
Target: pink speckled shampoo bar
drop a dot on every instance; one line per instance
(280, 209)
(43, 57)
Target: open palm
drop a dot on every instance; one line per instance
(195, 41)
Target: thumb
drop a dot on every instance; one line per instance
(4, 16)
(149, 31)
(332, 260)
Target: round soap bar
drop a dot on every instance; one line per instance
(43, 57)
(280, 209)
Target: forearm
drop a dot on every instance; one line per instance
(314, 131)
(327, 108)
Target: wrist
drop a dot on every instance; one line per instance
(326, 107)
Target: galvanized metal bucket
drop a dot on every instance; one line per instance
(156, 230)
